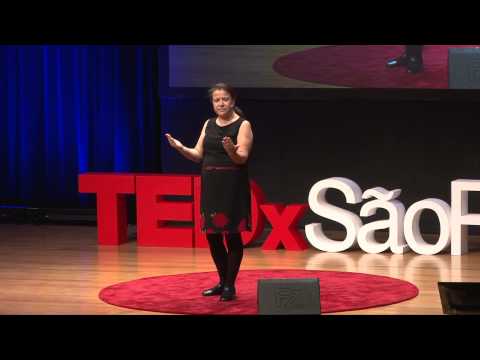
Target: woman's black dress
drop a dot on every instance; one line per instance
(225, 198)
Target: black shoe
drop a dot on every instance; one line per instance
(228, 294)
(414, 65)
(399, 61)
(216, 290)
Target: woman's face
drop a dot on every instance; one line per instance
(222, 102)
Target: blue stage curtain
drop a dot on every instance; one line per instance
(65, 110)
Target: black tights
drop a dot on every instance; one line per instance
(414, 50)
(227, 263)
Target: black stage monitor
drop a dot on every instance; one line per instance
(464, 68)
(288, 297)
(460, 298)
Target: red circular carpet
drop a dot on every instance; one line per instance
(181, 294)
(363, 66)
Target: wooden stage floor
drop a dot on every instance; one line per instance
(59, 269)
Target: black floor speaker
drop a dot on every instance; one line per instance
(460, 298)
(288, 296)
(464, 68)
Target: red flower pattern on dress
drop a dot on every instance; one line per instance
(220, 220)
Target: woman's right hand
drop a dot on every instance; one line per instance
(174, 142)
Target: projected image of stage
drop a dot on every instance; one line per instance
(319, 66)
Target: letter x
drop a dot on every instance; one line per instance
(284, 219)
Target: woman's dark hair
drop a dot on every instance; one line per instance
(228, 89)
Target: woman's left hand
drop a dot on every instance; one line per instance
(228, 145)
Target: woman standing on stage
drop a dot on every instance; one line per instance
(223, 148)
